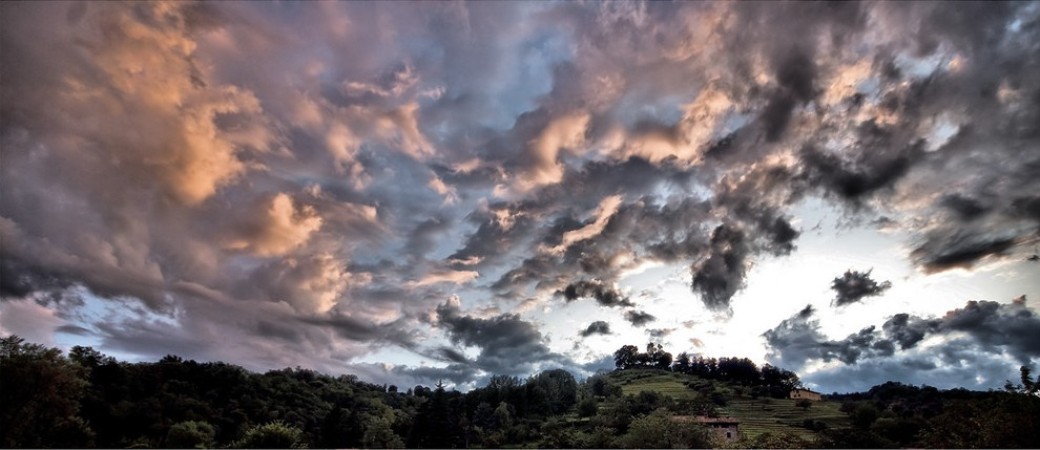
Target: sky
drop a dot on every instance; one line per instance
(415, 192)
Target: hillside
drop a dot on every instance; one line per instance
(757, 415)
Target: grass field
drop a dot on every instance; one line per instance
(757, 416)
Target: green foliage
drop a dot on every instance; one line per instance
(379, 434)
(999, 421)
(803, 403)
(660, 430)
(864, 415)
(587, 407)
(190, 434)
(781, 439)
(40, 397)
(272, 435)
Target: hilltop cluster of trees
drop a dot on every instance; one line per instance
(87, 399)
(768, 380)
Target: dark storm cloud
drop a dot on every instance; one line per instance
(719, 275)
(458, 374)
(872, 172)
(595, 289)
(964, 208)
(854, 286)
(452, 355)
(797, 340)
(959, 251)
(795, 75)
(597, 327)
(74, 329)
(998, 326)
(639, 318)
(18, 281)
(508, 344)
(907, 331)
(348, 327)
(980, 331)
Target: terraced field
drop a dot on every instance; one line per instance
(757, 416)
(781, 415)
(666, 383)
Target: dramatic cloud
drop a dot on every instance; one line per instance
(854, 286)
(508, 344)
(604, 295)
(597, 327)
(980, 331)
(639, 318)
(279, 184)
(721, 274)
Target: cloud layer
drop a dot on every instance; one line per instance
(280, 184)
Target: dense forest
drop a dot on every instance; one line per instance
(87, 399)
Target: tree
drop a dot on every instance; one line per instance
(1028, 386)
(781, 439)
(682, 363)
(190, 434)
(627, 356)
(803, 403)
(587, 407)
(659, 430)
(272, 435)
(40, 392)
(663, 360)
(378, 434)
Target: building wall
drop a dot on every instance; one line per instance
(728, 433)
(801, 393)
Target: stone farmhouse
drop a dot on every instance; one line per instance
(806, 394)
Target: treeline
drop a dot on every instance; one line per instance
(765, 381)
(87, 399)
(896, 415)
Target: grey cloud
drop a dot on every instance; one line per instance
(508, 344)
(908, 331)
(659, 333)
(965, 208)
(720, 275)
(853, 180)
(74, 329)
(854, 286)
(639, 318)
(995, 326)
(796, 75)
(458, 374)
(797, 340)
(989, 330)
(453, 355)
(595, 289)
(597, 327)
(959, 250)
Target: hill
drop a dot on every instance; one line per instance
(757, 414)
